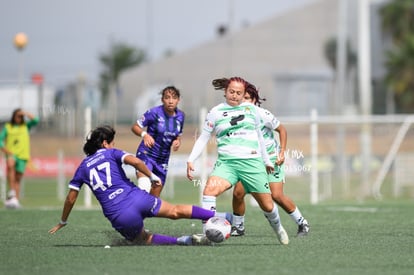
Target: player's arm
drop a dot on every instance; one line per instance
(29, 115)
(281, 130)
(176, 143)
(263, 151)
(146, 138)
(137, 130)
(33, 120)
(196, 152)
(141, 167)
(3, 135)
(67, 208)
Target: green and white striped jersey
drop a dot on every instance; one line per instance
(236, 130)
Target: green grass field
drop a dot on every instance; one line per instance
(347, 238)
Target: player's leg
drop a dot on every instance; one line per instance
(135, 234)
(130, 223)
(15, 169)
(11, 175)
(271, 213)
(160, 171)
(186, 211)
(159, 239)
(215, 186)
(289, 206)
(143, 181)
(239, 209)
(277, 181)
(254, 177)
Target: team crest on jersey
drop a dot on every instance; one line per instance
(248, 110)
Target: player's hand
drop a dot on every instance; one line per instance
(56, 228)
(190, 169)
(176, 144)
(280, 158)
(148, 140)
(270, 169)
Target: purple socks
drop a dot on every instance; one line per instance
(158, 239)
(201, 213)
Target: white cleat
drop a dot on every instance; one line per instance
(282, 235)
(12, 203)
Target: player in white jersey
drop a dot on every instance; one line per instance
(242, 154)
(277, 179)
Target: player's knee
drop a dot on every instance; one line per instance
(215, 186)
(211, 190)
(277, 198)
(238, 197)
(175, 212)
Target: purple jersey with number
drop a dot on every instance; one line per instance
(164, 129)
(122, 202)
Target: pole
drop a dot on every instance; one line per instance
(314, 190)
(341, 72)
(21, 79)
(364, 73)
(204, 156)
(88, 127)
(20, 42)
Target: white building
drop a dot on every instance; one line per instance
(284, 56)
(31, 98)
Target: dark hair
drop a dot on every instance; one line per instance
(254, 94)
(171, 89)
(96, 137)
(13, 117)
(223, 83)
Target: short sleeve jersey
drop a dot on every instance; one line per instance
(104, 174)
(164, 129)
(269, 124)
(235, 129)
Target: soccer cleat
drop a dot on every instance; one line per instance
(303, 229)
(282, 235)
(12, 203)
(200, 239)
(236, 232)
(185, 240)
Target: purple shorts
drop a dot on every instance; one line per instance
(159, 169)
(140, 205)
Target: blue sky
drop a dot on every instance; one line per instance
(67, 37)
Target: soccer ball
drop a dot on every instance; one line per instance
(218, 229)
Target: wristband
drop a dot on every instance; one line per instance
(143, 134)
(155, 178)
(63, 223)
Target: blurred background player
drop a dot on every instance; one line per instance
(241, 152)
(277, 179)
(164, 125)
(123, 203)
(15, 144)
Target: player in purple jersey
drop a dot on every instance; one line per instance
(123, 203)
(164, 125)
